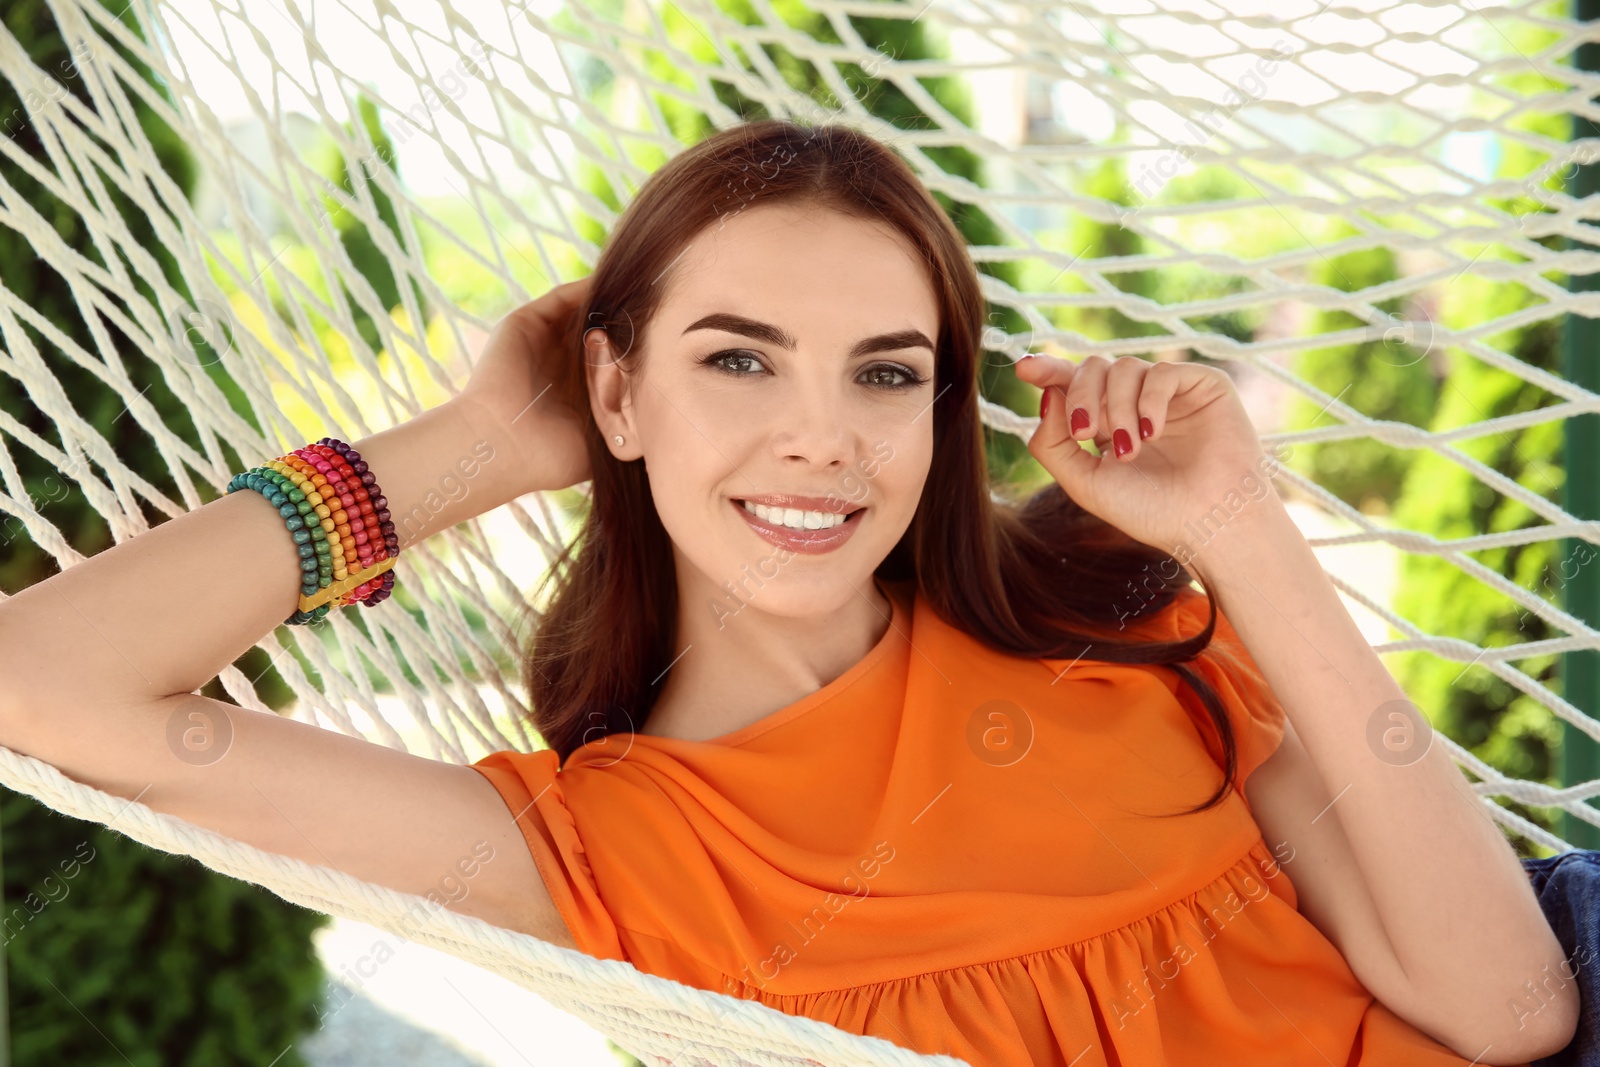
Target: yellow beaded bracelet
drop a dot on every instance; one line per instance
(328, 515)
(337, 589)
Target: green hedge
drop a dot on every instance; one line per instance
(120, 954)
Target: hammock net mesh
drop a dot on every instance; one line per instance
(486, 147)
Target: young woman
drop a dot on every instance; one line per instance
(830, 727)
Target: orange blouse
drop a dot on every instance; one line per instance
(962, 852)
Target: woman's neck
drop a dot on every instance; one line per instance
(738, 662)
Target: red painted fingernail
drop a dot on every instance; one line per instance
(1122, 442)
(1080, 420)
(1145, 429)
(1044, 403)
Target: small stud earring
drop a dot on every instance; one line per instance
(618, 438)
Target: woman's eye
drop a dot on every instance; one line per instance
(907, 378)
(726, 360)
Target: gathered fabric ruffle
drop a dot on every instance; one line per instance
(1192, 983)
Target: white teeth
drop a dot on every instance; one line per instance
(794, 518)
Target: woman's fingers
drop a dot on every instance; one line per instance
(1117, 403)
(1085, 407)
(1071, 465)
(1160, 386)
(1050, 374)
(1124, 380)
(1043, 370)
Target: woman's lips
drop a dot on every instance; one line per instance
(812, 542)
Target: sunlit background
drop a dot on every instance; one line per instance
(1350, 123)
(422, 992)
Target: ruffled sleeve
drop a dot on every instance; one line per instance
(1254, 712)
(530, 784)
(1253, 707)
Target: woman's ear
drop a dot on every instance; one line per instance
(609, 396)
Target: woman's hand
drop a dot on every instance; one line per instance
(1199, 465)
(512, 389)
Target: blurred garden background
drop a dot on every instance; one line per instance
(148, 958)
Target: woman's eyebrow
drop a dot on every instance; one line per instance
(775, 335)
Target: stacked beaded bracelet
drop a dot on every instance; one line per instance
(340, 523)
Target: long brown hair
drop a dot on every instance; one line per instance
(1039, 577)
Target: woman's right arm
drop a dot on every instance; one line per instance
(99, 663)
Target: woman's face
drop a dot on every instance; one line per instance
(792, 355)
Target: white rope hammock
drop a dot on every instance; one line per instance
(509, 109)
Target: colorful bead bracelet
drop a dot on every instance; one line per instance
(340, 522)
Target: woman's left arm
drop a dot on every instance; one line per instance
(1460, 915)
(1399, 862)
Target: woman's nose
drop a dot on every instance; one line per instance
(815, 424)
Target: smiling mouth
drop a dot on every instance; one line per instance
(810, 542)
(849, 517)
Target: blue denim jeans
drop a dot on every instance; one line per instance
(1568, 886)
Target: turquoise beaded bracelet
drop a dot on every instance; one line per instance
(311, 541)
